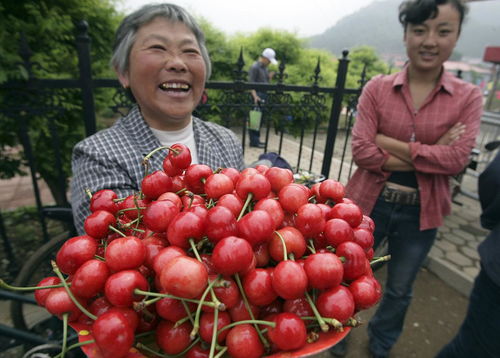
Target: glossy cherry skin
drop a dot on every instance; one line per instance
(97, 224)
(173, 197)
(355, 260)
(152, 245)
(367, 223)
(58, 303)
(120, 286)
(90, 278)
(337, 303)
(273, 208)
(289, 280)
(257, 184)
(229, 294)
(75, 252)
(171, 170)
(195, 176)
(338, 231)
(294, 242)
(258, 287)
(198, 352)
(256, 227)
(240, 313)
(232, 255)
(324, 270)
(279, 177)
(180, 156)
(231, 201)
(332, 190)
(171, 339)
(113, 334)
(242, 341)
(164, 256)
(310, 220)
(104, 200)
(364, 238)
(207, 325)
(220, 223)
(262, 255)
(41, 295)
(172, 309)
(133, 206)
(289, 333)
(298, 306)
(293, 196)
(155, 184)
(184, 226)
(348, 212)
(184, 276)
(125, 253)
(217, 185)
(366, 291)
(159, 214)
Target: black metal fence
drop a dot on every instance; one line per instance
(303, 110)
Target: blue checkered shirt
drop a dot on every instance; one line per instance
(112, 158)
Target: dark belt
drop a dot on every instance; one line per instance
(396, 196)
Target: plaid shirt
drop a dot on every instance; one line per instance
(385, 106)
(112, 158)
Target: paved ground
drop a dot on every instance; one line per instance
(442, 286)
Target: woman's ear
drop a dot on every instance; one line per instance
(123, 78)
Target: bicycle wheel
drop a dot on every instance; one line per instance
(30, 317)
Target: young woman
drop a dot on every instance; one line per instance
(414, 129)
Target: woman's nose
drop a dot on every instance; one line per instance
(175, 63)
(430, 39)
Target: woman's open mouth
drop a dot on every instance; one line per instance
(175, 86)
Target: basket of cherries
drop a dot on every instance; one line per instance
(225, 263)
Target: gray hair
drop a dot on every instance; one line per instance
(126, 32)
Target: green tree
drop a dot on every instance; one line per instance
(49, 27)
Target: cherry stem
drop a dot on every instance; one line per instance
(311, 247)
(6, 286)
(76, 345)
(88, 192)
(188, 311)
(145, 161)
(336, 324)
(285, 253)
(214, 334)
(196, 324)
(244, 208)
(65, 335)
(250, 321)
(195, 250)
(322, 324)
(221, 353)
(56, 270)
(112, 228)
(164, 295)
(249, 309)
(139, 306)
(380, 259)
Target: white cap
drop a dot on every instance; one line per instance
(270, 54)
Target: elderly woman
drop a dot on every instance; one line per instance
(161, 59)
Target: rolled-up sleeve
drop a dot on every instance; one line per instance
(366, 153)
(451, 159)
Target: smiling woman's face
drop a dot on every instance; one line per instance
(166, 73)
(431, 43)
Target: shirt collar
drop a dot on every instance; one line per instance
(445, 81)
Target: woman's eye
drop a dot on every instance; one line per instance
(158, 47)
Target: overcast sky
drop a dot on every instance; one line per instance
(303, 17)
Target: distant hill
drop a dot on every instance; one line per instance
(377, 25)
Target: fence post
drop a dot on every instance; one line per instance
(338, 95)
(84, 65)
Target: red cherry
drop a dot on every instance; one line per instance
(166, 255)
(217, 185)
(299, 306)
(273, 208)
(232, 255)
(180, 156)
(349, 212)
(184, 276)
(172, 309)
(120, 286)
(155, 184)
(279, 177)
(59, 303)
(97, 224)
(152, 245)
(113, 334)
(355, 260)
(324, 270)
(171, 338)
(294, 243)
(104, 200)
(125, 253)
(258, 287)
(159, 214)
(289, 280)
(337, 303)
(366, 291)
(132, 206)
(363, 238)
(170, 169)
(256, 227)
(188, 201)
(262, 256)
(310, 220)
(90, 278)
(207, 326)
(173, 197)
(195, 176)
(338, 231)
(75, 252)
(256, 184)
(198, 352)
(178, 183)
(289, 333)
(184, 226)
(367, 223)
(233, 173)
(332, 189)
(243, 341)
(229, 294)
(240, 313)
(41, 295)
(232, 202)
(220, 223)
(292, 197)
(317, 196)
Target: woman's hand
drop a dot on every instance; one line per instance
(452, 135)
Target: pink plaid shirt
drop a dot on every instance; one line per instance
(385, 106)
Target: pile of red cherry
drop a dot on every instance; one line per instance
(210, 263)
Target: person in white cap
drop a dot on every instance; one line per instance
(259, 73)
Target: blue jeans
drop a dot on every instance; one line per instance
(479, 334)
(408, 247)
